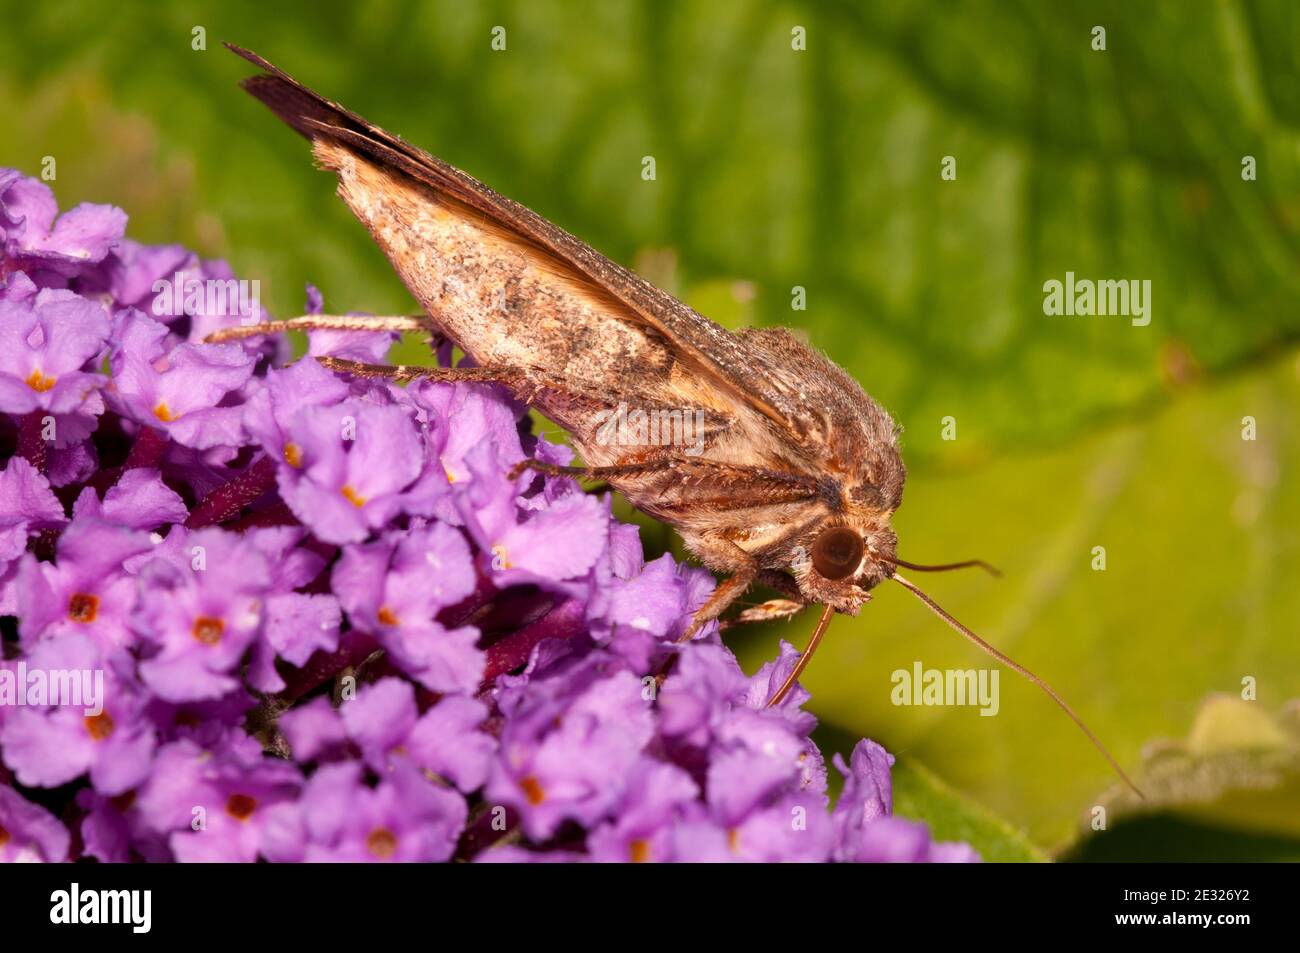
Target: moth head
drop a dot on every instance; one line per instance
(842, 560)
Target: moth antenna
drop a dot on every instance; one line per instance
(805, 658)
(943, 567)
(1017, 667)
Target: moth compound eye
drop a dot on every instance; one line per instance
(837, 552)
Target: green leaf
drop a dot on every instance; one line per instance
(919, 794)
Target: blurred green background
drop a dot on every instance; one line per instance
(820, 168)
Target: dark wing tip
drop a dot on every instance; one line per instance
(251, 57)
(297, 106)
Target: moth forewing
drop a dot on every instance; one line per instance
(508, 303)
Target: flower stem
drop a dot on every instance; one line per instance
(277, 514)
(147, 451)
(354, 648)
(31, 441)
(229, 498)
(563, 622)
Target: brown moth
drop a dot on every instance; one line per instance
(796, 471)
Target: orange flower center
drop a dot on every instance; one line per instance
(83, 607)
(240, 806)
(386, 616)
(39, 382)
(639, 851)
(382, 843)
(4, 837)
(293, 455)
(532, 790)
(163, 412)
(99, 726)
(208, 630)
(352, 496)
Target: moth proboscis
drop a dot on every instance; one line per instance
(795, 471)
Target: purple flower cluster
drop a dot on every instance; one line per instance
(255, 609)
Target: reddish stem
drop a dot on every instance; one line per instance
(31, 441)
(229, 498)
(460, 613)
(565, 621)
(353, 649)
(277, 514)
(147, 451)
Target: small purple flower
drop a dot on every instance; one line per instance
(36, 236)
(297, 625)
(135, 269)
(634, 615)
(568, 747)
(767, 681)
(893, 840)
(755, 756)
(86, 590)
(792, 829)
(193, 297)
(705, 686)
(394, 590)
(655, 801)
(201, 605)
(27, 505)
(866, 831)
(271, 411)
(448, 741)
(386, 726)
(102, 730)
(384, 721)
(556, 541)
(312, 729)
(350, 466)
(380, 718)
(45, 343)
(138, 500)
(404, 819)
(214, 806)
(868, 793)
(114, 832)
(28, 832)
(479, 414)
(180, 391)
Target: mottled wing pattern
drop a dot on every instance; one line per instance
(748, 375)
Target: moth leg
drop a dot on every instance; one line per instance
(512, 377)
(769, 611)
(728, 591)
(591, 473)
(323, 322)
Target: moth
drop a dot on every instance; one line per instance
(796, 470)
